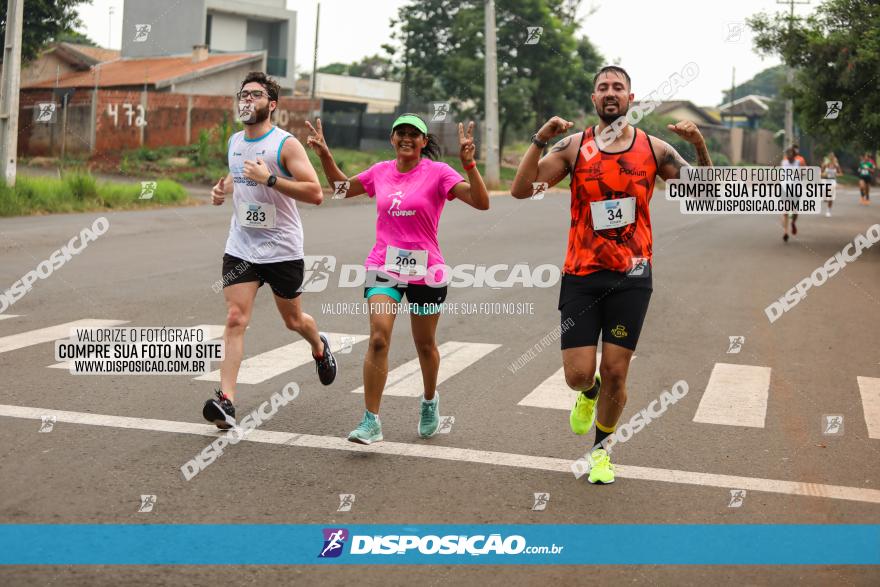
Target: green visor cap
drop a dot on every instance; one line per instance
(413, 120)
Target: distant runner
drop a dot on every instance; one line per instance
(830, 170)
(791, 159)
(866, 175)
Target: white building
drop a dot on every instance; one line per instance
(161, 28)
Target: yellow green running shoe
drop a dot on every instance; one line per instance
(601, 469)
(583, 414)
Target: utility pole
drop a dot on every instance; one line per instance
(732, 96)
(9, 86)
(315, 58)
(789, 78)
(110, 27)
(404, 98)
(493, 165)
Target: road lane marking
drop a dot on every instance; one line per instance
(50, 333)
(554, 392)
(8, 316)
(265, 366)
(456, 454)
(869, 388)
(736, 395)
(455, 357)
(212, 331)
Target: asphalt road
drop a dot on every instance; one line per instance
(713, 277)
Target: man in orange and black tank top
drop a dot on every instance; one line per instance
(607, 281)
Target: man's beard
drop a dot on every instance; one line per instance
(608, 118)
(258, 116)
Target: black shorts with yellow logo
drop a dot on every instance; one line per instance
(608, 301)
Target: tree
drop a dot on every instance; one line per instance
(373, 67)
(768, 82)
(440, 54)
(334, 68)
(44, 21)
(836, 55)
(76, 38)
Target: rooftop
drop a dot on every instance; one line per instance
(155, 71)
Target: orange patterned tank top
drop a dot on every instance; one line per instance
(597, 182)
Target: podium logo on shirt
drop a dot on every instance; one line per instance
(396, 200)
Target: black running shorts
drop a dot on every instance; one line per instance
(285, 277)
(607, 301)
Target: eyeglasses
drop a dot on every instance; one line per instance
(255, 94)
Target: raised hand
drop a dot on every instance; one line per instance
(553, 127)
(316, 138)
(466, 147)
(687, 130)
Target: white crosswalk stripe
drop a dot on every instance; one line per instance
(212, 332)
(736, 395)
(51, 333)
(554, 392)
(539, 464)
(265, 366)
(869, 388)
(455, 357)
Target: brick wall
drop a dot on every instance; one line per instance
(45, 138)
(128, 119)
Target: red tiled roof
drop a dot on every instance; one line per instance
(150, 71)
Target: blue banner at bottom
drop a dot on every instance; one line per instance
(489, 544)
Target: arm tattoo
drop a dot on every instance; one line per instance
(673, 162)
(558, 148)
(561, 145)
(703, 159)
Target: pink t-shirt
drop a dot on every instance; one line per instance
(408, 207)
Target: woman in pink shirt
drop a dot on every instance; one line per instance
(410, 193)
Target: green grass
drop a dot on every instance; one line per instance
(81, 192)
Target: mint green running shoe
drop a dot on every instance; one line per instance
(583, 414)
(368, 431)
(429, 421)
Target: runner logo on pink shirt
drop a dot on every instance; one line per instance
(397, 200)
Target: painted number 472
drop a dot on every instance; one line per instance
(129, 112)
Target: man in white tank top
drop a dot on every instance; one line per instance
(269, 172)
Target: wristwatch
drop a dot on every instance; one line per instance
(538, 142)
(271, 181)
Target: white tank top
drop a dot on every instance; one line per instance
(284, 242)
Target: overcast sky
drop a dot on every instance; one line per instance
(651, 40)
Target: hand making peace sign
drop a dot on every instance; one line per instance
(316, 138)
(466, 143)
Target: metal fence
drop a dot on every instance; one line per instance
(371, 131)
